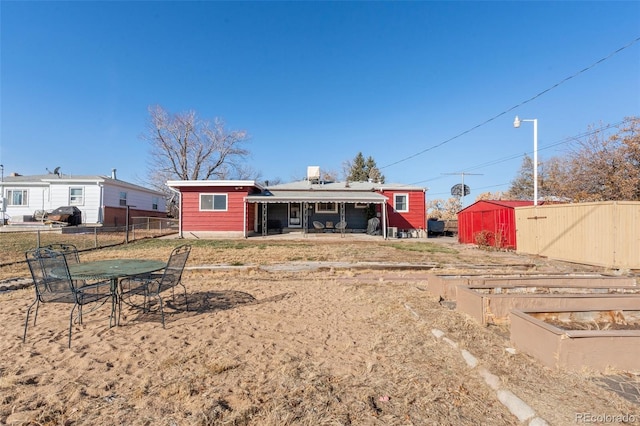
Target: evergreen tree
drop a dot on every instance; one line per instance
(357, 170)
(373, 171)
(361, 170)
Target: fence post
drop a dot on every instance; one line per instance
(95, 233)
(38, 238)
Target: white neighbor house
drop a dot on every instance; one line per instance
(101, 199)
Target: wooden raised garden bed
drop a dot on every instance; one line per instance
(491, 305)
(594, 339)
(445, 286)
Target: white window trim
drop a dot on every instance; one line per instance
(81, 203)
(25, 197)
(320, 211)
(214, 194)
(395, 199)
(361, 205)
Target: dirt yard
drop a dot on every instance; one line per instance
(315, 331)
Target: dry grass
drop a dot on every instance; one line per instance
(289, 347)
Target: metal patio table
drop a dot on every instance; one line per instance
(113, 270)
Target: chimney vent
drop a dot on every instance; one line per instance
(113, 174)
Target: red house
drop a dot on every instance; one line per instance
(246, 208)
(491, 221)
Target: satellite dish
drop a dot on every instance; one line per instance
(456, 190)
(56, 171)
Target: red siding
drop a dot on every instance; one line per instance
(251, 216)
(230, 220)
(496, 218)
(415, 218)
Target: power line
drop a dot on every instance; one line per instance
(462, 186)
(515, 106)
(545, 147)
(479, 188)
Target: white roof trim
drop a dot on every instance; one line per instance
(213, 183)
(401, 188)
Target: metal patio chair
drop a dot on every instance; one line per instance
(53, 284)
(70, 251)
(341, 226)
(152, 285)
(318, 226)
(71, 255)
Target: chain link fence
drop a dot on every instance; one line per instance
(14, 242)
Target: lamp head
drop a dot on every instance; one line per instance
(516, 122)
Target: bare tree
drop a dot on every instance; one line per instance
(555, 179)
(629, 140)
(522, 186)
(444, 209)
(184, 147)
(601, 168)
(498, 195)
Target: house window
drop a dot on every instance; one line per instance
(123, 198)
(76, 196)
(401, 202)
(215, 202)
(361, 205)
(326, 208)
(17, 197)
(154, 203)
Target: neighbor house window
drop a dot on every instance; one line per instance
(17, 197)
(215, 202)
(401, 202)
(326, 208)
(76, 196)
(123, 198)
(154, 203)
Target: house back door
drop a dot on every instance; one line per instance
(295, 215)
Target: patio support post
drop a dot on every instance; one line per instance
(384, 219)
(342, 219)
(244, 219)
(264, 219)
(305, 218)
(175, 191)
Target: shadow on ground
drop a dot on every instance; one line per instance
(203, 302)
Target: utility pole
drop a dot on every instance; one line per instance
(463, 187)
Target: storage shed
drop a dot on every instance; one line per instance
(489, 223)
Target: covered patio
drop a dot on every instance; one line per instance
(297, 211)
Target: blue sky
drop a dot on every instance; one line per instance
(428, 89)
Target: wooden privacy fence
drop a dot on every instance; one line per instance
(601, 233)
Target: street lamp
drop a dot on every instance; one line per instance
(516, 124)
